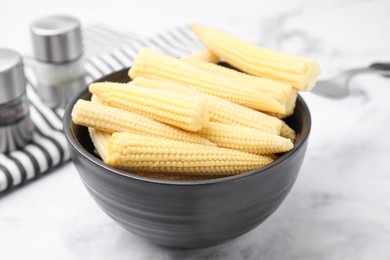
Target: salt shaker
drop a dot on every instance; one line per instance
(16, 127)
(59, 64)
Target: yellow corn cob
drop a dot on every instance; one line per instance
(183, 111)
(204, 55)
(276, 89)
(300, 72)
(156, 65)
(245, 139)
(110, 120)
(288, 132)
(220, 110)
(141, 153)
(101, 141)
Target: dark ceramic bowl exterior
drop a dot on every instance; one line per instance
(190, 214)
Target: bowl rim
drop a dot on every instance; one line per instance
(125, 174)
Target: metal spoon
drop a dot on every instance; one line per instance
(337, 87)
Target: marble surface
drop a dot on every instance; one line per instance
(339, 207)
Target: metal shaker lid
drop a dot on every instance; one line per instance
(12, 79)
(57, 39)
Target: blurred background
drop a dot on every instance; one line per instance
(339, 207)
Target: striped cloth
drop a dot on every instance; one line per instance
(106, 51)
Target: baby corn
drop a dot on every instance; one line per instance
(288, 132)
(141, 153)
(245, 139)
(290, 105)
(220, 110)
(276, 89)
(300, 72)
(101, 141)
(183, 111)
(156, 65)
(193, 119)
(291, 101)
(110, 120)
(95, 99)
(204, 55)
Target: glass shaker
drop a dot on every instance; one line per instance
(58, 64)
(16, 127)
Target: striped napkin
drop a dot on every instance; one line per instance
(106, 50)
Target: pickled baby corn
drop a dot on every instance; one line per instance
(220, 110)
(155, 65)
(96, 99)
(288, 132)
(133, 125)
(290, 105)
(204, 55)
(276, 89)
(183, 111)
(101, 141)
(245, 139)
(110, 120)
(291, 101)
(300, 72)
(141, 153)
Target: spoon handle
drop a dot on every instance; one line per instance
(381, 68)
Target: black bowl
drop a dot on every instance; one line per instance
(187, 214)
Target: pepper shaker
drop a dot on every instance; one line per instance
(16, 127)
(59, 64)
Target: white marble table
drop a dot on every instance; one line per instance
(339, 207)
